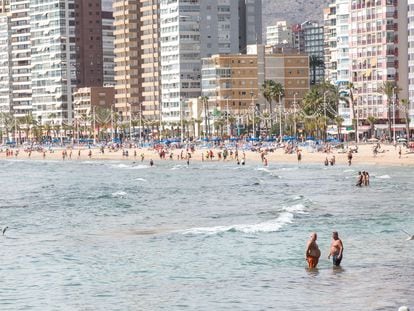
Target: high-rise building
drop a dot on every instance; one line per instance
(4, 6)
(126, 55)
(53, 60)
(337, 64)
(21, 57)
(108, 38)
(378, 51)
(5, 64)
(197, 29)
(330, 53)
(250, 25)
(137, 58)
(411, 59)
(309, 38)
(149, 60)
(88, 32)
(279, 34)
(337, 43)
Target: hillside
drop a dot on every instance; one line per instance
(294, 11)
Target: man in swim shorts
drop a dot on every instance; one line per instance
(312, 252)
(337, 249)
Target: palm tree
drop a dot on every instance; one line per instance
(28, 121)
(267, 91)
(102, 118)
(7, 122)
(278, 92)
(339, 121)
(389, 89)
(371, 120)
(314, 63)
(405, 104)
(351, 88)
(204, 100)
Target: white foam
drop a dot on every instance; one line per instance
(297, 208)
(263, 169)
(384, 177)
(141, 179)
(267, 226)
(349, 171)
(119, 194)
(131, 167)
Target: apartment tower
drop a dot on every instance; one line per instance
(5, 62)
(137, 58)
(108, 38)
(197, 29)
(88, 32)
(378, 51)
(411, 59)
(53, 60)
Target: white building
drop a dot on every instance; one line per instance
(53, 60)
(20, 57)
(5, 62)
(279, 34)
(411, 59)
(191, 31)
(337, 63)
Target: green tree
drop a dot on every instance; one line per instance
(391, 90)
(267, 91)
(339, 121)
(371, 120)
(27, 121)
(103, 118)
(405, 105)
(7, 122)
(315, 62)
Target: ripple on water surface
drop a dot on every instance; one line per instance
(211, 236)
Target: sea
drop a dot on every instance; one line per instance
(121, 235)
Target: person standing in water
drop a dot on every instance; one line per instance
(312, 252)
(337, 249)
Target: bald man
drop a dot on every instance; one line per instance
(312, 252)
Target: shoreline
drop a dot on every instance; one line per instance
(364, 156)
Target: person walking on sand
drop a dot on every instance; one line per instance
(337, 249)
(299, 156)
(312, 252)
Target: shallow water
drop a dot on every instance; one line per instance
(212, 236)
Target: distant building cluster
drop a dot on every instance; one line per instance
(161, 59)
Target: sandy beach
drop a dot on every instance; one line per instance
(388, 155)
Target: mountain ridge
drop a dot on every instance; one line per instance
(293, 11)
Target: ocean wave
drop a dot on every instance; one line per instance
(384, 177)
(141, 179)
(349, 171)
(178, 167)
(273, 225)
(297, 208)
(131, 167)
(119, 194)
(264, 169)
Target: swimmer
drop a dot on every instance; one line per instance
(312, 252)
(337, 249)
